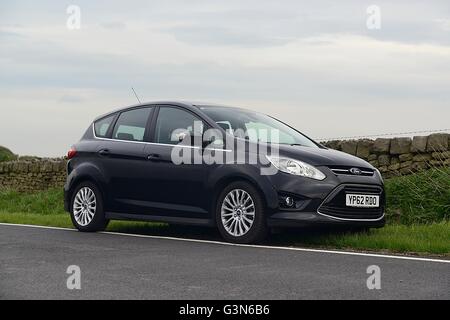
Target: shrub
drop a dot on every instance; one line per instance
(6, 154)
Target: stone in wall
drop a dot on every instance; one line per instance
(441, 155)
(383, 169)
(422, 157)
(405, 157)
(374, 163)
(382, 145)
(47, 166)
(363, 148)
(334, 144)
(419, 144)
(384, 160)
(436, 163)
(406, 164)
(417, 166)
(349, 146)
(394, 166)
(437, 142)
(400, 145)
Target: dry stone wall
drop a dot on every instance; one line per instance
(32, 175)
(399, 156)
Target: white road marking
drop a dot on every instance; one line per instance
(351, 253)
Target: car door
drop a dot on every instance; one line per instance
(123, 160)
(174, 188)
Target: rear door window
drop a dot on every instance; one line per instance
(131, 125)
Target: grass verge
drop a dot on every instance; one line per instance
(423, 197)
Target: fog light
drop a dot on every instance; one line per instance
(289, 201)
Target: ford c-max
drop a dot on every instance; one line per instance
(238, 170)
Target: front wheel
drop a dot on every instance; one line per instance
(86, 209)
(240, 214)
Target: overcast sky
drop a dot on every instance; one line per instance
(313, 64)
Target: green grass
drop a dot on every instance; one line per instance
(49, 202)
(55, 220)
(421, 239)
(418, 213)
(62, 220)
(419, 198)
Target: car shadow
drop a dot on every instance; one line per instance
(299, 236)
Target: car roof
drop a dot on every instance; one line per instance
(186, 104)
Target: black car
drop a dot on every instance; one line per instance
(238, 170)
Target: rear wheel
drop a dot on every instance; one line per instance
(240, 213)
(86, 209)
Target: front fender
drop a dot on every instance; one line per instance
(226, 173)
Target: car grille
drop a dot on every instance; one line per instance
(334, 204)
(346, 170)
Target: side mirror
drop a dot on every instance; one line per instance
(182, 136)
(187, 138)
(213, 143)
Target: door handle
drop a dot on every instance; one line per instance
(154, 157)
(104, 152)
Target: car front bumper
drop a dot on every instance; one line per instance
(300, 219)
(323, 202)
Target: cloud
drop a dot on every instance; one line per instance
(444, 24)
(312, 65)
(71, 99)
(201, 35)
(117, 25)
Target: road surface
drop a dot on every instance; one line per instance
(34, 261)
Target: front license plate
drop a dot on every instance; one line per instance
(362, 200)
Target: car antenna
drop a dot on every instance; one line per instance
(136, 95)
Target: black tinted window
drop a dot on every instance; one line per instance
(101, 126)
(172, 121)
(131, 125)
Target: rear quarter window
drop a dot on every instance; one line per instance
(102, 126)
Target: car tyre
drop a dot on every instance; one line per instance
(240, 213)
(86, 208)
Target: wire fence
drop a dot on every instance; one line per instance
(384, 135)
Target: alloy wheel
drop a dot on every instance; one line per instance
(84, 206)
(237, 212)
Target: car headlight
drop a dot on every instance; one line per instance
(296, 167)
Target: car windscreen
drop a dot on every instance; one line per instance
(256, 127)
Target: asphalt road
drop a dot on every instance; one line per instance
(33, 264)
